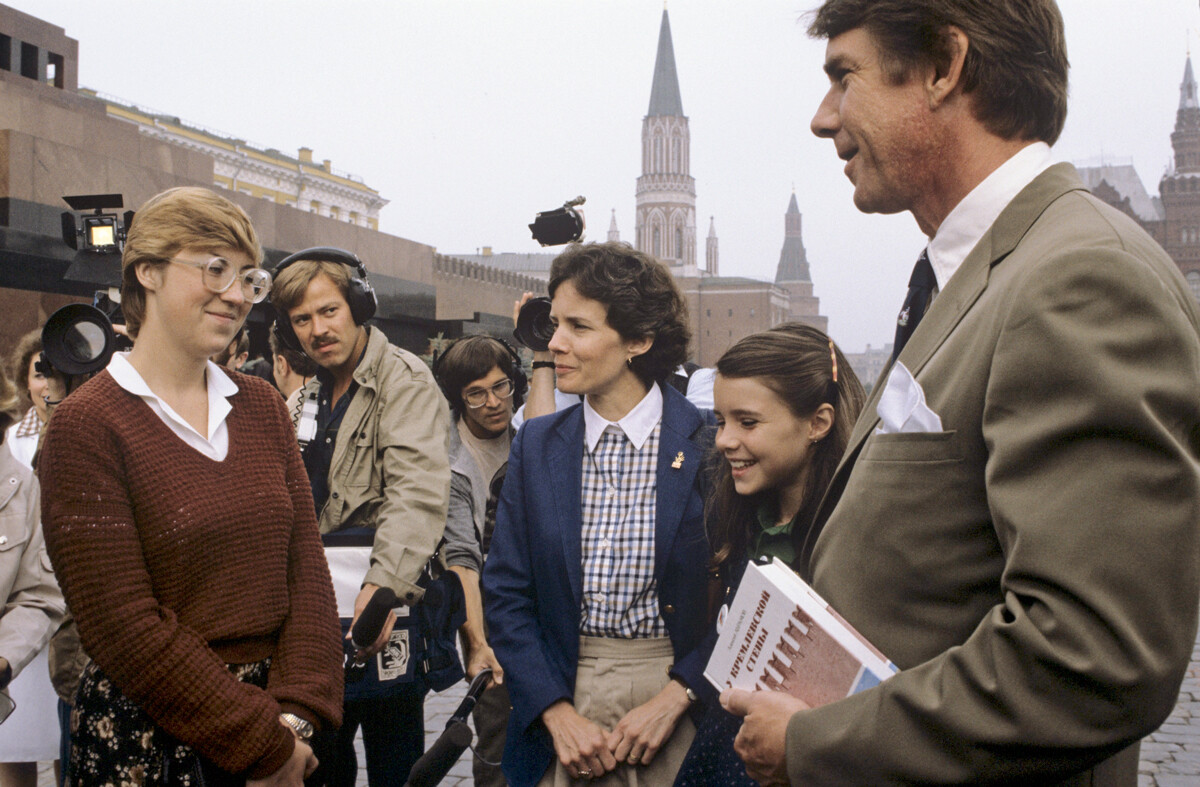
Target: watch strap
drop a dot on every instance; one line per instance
(302, 727)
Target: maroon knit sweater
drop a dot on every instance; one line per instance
(174, 565)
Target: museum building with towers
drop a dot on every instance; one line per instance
(1173, 217)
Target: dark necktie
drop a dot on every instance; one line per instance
(920, 288)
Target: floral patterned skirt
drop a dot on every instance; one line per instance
(114, 741)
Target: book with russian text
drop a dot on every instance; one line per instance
(779, 634)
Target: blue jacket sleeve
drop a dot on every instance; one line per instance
(511, 602)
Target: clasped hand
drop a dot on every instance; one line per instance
(587, 750)
(292, 773)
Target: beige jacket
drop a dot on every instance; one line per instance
(33, 604)
(1034, 568)
(390, 468)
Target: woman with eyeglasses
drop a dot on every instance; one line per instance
(181, 527)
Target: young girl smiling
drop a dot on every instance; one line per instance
(785, 402)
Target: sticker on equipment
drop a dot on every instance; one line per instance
(393, 659)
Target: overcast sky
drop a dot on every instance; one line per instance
(472, 115)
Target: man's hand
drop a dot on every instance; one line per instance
(360, 603)
(642, 731)
(483, 657)
(293, 772)
(762, 741)
(579, 743)
(525, 297)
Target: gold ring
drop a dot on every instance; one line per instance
(634, 760)
(584, 773)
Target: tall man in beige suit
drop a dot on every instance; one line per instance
(1016, 521)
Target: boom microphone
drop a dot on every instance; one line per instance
(454, 740)
(437, 762)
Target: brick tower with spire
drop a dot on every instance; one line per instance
(666, 191)
(1180, 186)
(792, 272)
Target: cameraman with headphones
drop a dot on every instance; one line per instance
(373, 429)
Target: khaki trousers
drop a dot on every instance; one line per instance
(614, 676)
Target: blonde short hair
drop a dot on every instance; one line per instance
(292, 282)
(187, 217)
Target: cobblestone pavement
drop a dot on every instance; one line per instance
(1170, 756)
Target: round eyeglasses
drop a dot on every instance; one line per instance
(219, 276)
(478, 397)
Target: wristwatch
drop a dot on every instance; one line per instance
(302, 727)
(692, 697)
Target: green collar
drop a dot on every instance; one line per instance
(773, 540)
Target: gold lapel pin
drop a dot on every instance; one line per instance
(678, 463)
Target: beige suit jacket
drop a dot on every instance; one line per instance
(1034, 569)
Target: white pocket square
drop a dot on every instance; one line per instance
(902, 405)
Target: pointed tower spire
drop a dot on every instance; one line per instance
(664, 94)
(1186, 138)
(711, 254)
(614, 234)
(1187, 89)
(793, 262)
(665, 222)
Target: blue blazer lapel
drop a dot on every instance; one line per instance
(679, 459)
(564, 483)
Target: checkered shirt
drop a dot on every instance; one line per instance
(620, 598)
(30, 425)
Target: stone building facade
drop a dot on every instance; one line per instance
(1173, 217)
(56, 140)
(265, 173)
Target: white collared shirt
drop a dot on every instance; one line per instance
(214, 445)
(966, 224)
(637, 424)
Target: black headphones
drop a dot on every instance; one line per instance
(520, 381)
(360, 295)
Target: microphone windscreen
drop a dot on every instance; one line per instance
(445, 751)
(370, 622)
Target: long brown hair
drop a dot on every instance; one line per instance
(796, 362)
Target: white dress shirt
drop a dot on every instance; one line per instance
(963, 227)
(214, 445)
(637, 424)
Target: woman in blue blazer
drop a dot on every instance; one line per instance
(595, 587)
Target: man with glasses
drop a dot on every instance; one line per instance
(373, 429)
(480, 377)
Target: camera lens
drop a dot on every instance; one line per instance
(78, 339)
(534, 329)
(84, 341)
